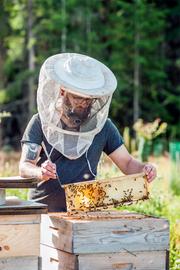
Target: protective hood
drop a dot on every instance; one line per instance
(73, 98)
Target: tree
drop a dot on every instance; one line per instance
(137, 38)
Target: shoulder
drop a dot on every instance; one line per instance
(113, 137)
(33, 131)
(109, 126)
(36, 118)
(109, 122)
(34, 122)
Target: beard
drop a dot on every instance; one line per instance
(73, 118)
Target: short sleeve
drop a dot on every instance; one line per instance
(114, 139)
(33, 132)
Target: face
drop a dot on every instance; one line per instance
(75, 110)
(78, 104)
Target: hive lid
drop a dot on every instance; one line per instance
(15, 206)
(18, 182)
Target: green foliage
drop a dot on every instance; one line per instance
(13, 91)
(175, 247)
(121, 34)
(151, 130)
(20, 193)
(175, 186)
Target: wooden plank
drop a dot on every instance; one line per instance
(104, 236)
(20, 219)
(119, 235)
(21, 211)
(17, 179)
(18, 182)
(22, 207)
(152, 260)
(90, 195)
(56, 232)
(19, 185)
(20, 263)
(53, 259)
(19, 240)
(102, 215)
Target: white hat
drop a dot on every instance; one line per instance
(83, 74)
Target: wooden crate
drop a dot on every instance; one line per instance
(113, 240)
(19, 235)
(20, 240)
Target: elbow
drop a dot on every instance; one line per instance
(21, 170)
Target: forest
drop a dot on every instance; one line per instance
(139, 40)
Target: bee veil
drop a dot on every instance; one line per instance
(73, 98)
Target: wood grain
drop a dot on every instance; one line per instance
(19, 240)
(53, 259)
(20, 219)
(152, 260)
(79, 236)
(56, 232)
(20, 263)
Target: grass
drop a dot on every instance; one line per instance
(164, 200)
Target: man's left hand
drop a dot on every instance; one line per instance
(150, 171)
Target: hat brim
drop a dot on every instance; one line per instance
(64, 79)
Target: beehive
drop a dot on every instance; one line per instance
(104, 241)
(19, 228)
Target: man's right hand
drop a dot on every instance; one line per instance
(28, 163)
(47, 171)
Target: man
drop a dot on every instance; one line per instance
(63, 143)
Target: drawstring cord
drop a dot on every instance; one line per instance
(89, 165)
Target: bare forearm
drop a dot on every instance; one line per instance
(29, 159)
(27, 169)
(129, 165)
(134, 166)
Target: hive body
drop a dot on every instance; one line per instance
(104, 240)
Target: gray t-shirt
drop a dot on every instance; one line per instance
(69, 171)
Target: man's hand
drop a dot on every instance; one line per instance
(150, 171)
(48, 171)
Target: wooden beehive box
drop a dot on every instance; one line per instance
(104, 240)
(19, 228)
(19, 242)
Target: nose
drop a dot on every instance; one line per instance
(77, 121)
(74, 118)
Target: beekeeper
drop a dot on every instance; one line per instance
(64, 141)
